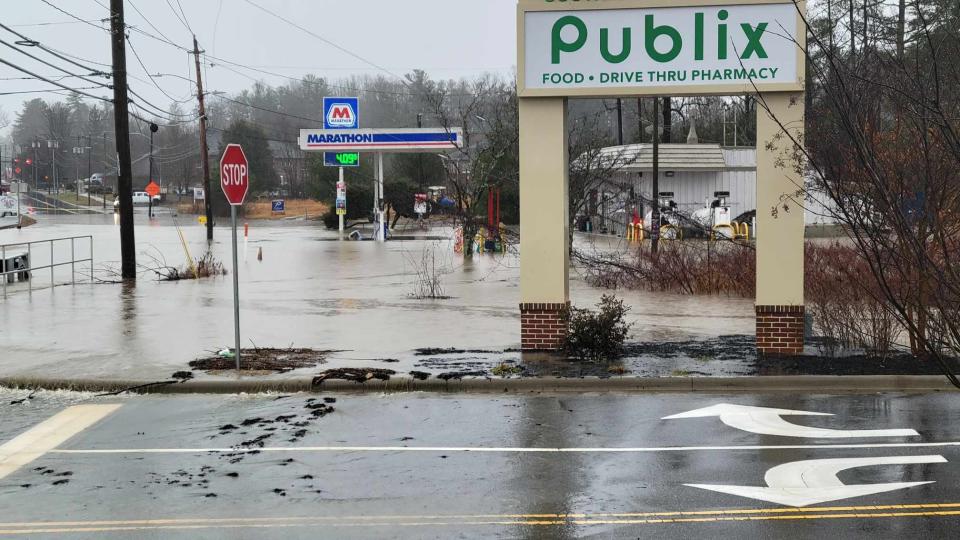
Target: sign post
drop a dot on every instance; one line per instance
(341, 200)
(235, 181)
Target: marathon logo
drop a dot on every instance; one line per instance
(347, 138)
(341, 115)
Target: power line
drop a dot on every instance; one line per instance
(44, 79)
(221, 130)
(47, 91)
(325, 40)
(55, 53)
(54, 66)
(152, 79)
(144, 17)
(53, 23)
(185, 19)
(278, 113)
(72, 16)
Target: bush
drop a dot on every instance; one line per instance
(681, 267)
(846, 302)
(597, 335)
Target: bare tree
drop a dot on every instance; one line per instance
(486, 110)
(884, 148)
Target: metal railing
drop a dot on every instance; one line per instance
(9, 253)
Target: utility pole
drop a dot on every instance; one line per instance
(620, 121)
(53, 145)
(655, 213)
(36, 165)
(89, 171)
(640, 140)
(77, 151)
(153, 129)
(121, 118)
(204, 152)
(104, 163)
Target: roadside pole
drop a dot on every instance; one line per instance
(19, 215)
(339, 213)
(235, 181)
(382, 230)
(236, 289)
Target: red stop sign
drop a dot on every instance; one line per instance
(234, 174)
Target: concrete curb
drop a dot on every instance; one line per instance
(798, 383)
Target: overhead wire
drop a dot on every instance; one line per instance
(71, 15)
(325, 40)
(54, 52)
(52, 23)
(47, 91)
(55, 83)
(144, 17)
(278, 113)
(183, 20)
(54, 66)
(152, 78)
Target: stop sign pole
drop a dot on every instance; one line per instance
(235, 181)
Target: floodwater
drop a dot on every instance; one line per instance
(309, 290)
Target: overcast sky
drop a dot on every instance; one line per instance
(447, 38)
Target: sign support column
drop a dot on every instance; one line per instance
(381, 226)
(235, 181)
(545, 257)
(340, 184)
(780, 237)
(236, 289)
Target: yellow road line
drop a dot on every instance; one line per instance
(260, 524)
(637, 518)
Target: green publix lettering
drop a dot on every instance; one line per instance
(753, 34)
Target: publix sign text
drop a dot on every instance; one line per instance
(640, 48)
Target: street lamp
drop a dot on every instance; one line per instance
(79, 151)
(54, 145)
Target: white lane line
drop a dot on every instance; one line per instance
(504, 450)
(49, 434)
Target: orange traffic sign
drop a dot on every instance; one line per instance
(152, 189)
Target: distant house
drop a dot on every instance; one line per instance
(289, 163)
(291, 166)
(692, 173)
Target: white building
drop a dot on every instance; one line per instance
(693, 173)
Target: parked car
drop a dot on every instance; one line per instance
(139, 198)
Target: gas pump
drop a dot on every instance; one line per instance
(669, 217)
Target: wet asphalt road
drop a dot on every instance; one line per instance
(488, 466)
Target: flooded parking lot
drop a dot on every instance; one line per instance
(309, 290)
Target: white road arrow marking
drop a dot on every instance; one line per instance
(768, 422)
(802, 483)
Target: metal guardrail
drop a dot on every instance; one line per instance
(26, 270)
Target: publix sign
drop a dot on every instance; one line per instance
(601, 47)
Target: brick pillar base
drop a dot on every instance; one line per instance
(780, 329)
(542, 327)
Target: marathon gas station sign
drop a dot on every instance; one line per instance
(381, 140)
(606, 48)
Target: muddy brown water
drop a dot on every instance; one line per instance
(308, 291)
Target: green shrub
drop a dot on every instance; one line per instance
(597, 335)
